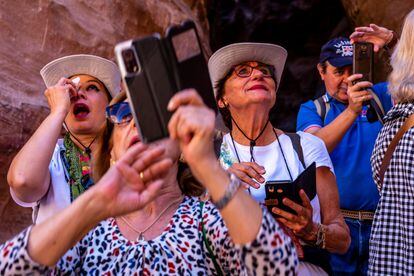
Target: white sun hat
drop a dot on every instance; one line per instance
(225, 58)
(104, 70)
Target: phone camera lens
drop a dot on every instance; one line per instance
(130, 62)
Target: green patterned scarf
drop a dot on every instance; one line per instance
(78, 167)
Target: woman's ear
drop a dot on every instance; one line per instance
(222, 103)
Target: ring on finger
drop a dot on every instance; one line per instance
(141, 175)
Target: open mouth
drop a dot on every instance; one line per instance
(80, 110)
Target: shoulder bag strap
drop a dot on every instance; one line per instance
(295, 138)
(207, 242)
(409, 123)
(377, 105)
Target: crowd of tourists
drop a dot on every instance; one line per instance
(106, 203)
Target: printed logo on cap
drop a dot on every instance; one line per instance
(344, 48)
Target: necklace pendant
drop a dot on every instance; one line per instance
(88, 151)
(141, 237)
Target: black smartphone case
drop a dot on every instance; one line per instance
(150, 89)
(161, 74)
(363, 61)
(281, 189)
(191, 72)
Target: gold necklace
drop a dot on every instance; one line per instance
(141, 232)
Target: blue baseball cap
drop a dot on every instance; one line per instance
(338, 52)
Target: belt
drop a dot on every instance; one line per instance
(359, 215)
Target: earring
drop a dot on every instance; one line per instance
(182, 159)
(111, 162)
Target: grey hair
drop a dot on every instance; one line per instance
(401, 79)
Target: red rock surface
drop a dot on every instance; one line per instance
(36, 32)
(388, 13)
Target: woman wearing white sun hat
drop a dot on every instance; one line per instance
(246, 77)
(48, 173)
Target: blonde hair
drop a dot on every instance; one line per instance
(401, 79)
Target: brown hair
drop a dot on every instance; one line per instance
(102, 160)
(186, 181)
(224, 111)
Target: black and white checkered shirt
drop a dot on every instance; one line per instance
(391, 249)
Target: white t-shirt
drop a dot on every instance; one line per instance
(58, 194)
(270, 157)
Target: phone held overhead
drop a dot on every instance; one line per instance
(154, 68)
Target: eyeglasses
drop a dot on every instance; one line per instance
(119, 113)
(245, 70)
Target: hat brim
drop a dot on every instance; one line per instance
(225, 58)
(341, 61)
(104, 70)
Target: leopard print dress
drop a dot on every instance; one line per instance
(179, 250)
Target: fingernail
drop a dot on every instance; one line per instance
(261, 179)
(257, 186)
(170, 105)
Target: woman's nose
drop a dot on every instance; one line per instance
(132, 123)
(82, 93)
(256, 73)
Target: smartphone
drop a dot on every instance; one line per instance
(148, 85)
(363, 61)
(188, 61)
(155, 68)
(276, 191)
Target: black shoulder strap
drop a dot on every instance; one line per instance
(295, 138)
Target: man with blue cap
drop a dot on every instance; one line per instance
(340, 119)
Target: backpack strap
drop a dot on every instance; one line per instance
(295, 138)
(322, 106)
(207, 243)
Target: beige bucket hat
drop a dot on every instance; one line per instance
(104, 70)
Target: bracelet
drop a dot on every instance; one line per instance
(231, 190)
(320, 237)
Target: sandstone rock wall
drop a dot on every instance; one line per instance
(36, 32)
(387, 13)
